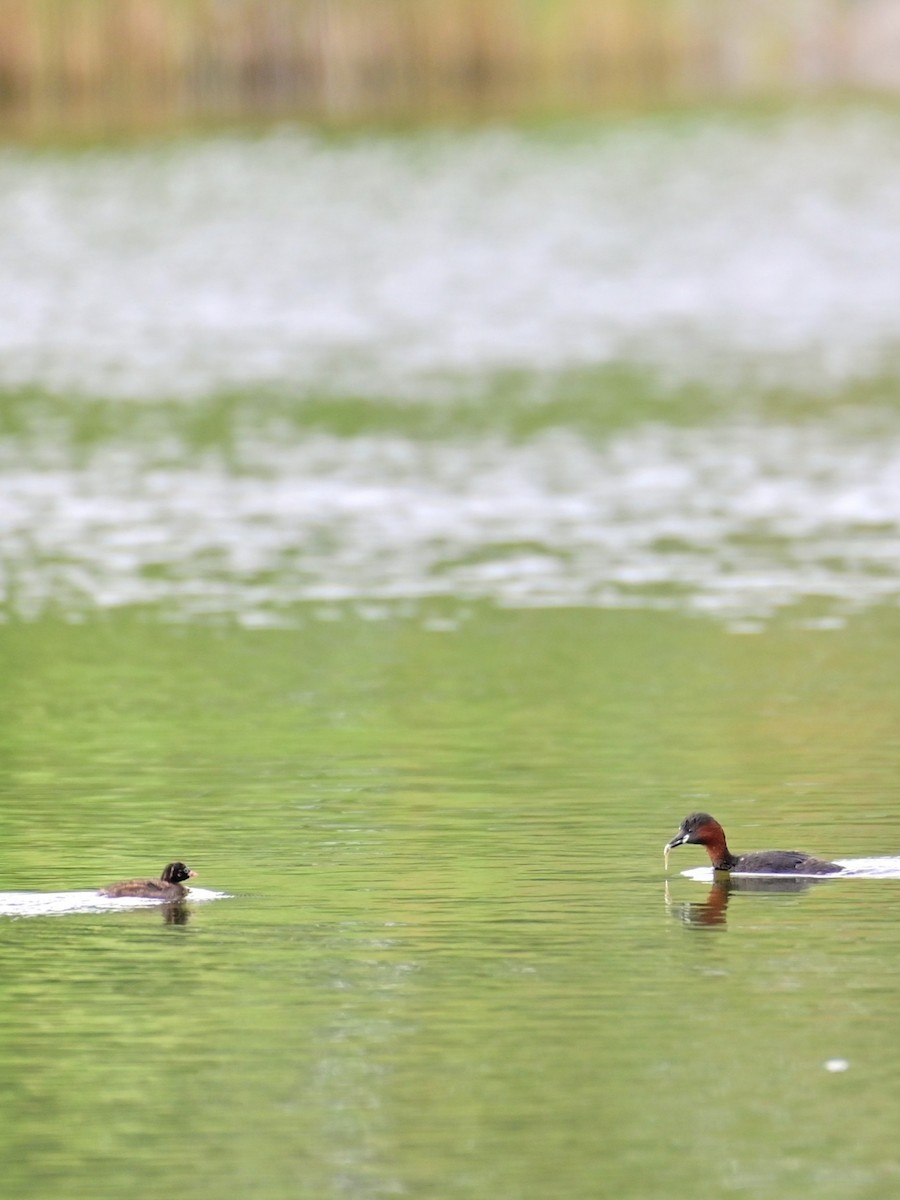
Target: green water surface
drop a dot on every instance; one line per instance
(450, 964)
(407, 533)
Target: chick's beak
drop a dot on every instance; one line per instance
(192, 874)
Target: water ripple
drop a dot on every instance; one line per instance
(734, 519)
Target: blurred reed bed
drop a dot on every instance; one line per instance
(95, 65)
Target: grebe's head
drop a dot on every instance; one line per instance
(700, 828)
(177, 872)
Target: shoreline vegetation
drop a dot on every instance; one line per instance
(101, 67)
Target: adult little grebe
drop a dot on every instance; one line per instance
(704, 830)
(167, 887)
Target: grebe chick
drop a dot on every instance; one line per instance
(167, 887)
(703, 830)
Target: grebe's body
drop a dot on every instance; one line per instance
(167, 887)
(703, 830)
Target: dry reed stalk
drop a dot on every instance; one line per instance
(123, 63)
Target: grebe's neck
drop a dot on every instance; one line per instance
(717, 848)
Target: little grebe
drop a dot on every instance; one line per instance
(704, 830)
(167, 887)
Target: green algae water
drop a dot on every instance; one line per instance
(407, 532)
(450, 963)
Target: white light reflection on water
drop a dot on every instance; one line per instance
(733, 519)
(701, 248)
(738, 255)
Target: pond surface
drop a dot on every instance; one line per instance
(649, 362)
(407, 533)
(450, 963)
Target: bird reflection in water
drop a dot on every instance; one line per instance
(176, 913)
(711, 912)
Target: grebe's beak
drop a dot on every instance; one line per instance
(678, 840)
(192, 874)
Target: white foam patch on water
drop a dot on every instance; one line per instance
(701, 248)
(735, 519)
(44, 904)
(878, 867)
